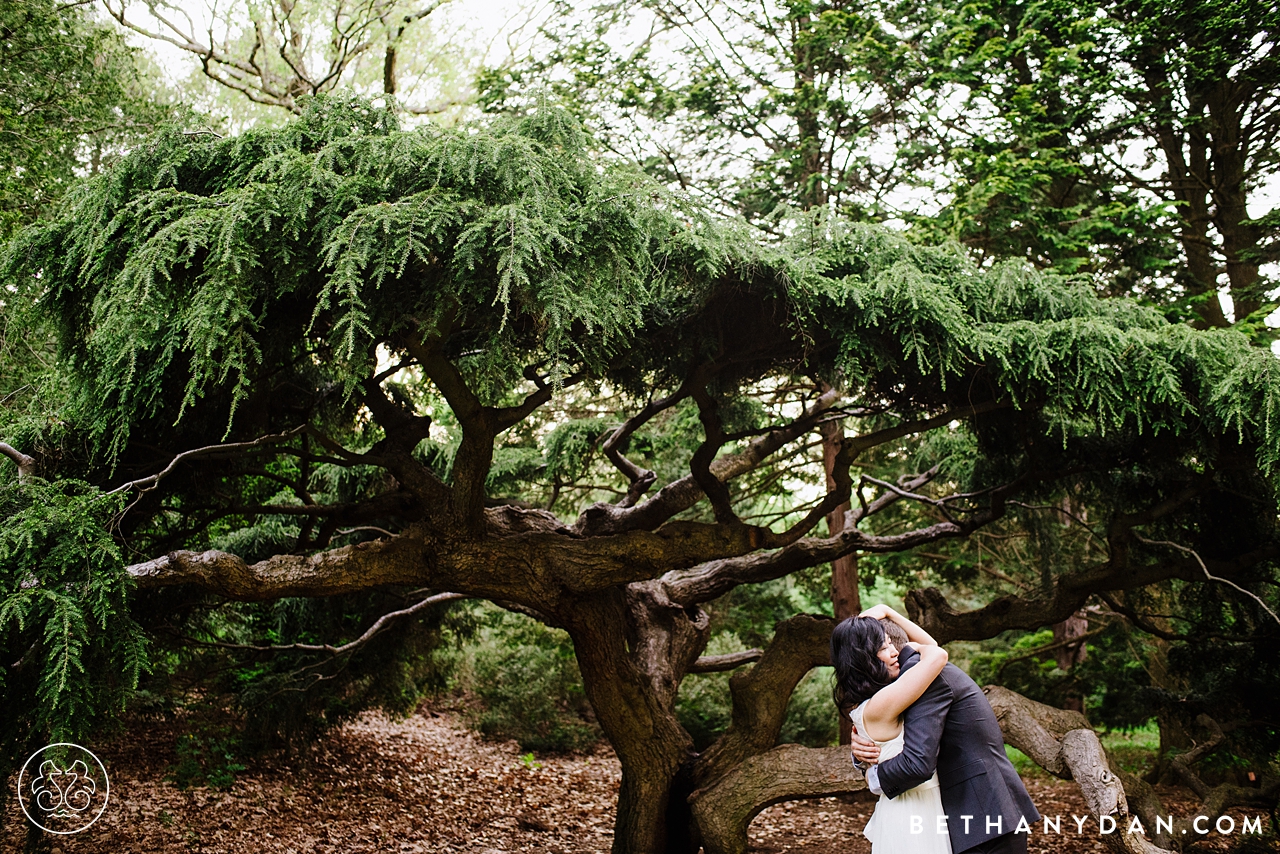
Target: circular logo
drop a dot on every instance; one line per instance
(63, 788)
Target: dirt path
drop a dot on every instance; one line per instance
(427, 784)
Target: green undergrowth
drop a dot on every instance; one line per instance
(1133, 750)
(517, 679)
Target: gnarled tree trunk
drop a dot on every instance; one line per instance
(633, 647)
(1064, 744)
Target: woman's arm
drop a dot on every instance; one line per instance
(915, 634)
(889, 702)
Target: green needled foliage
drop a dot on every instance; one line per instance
(71, 95)
(200, 265)
(73, 650)
(212, 258)
(1126, 139)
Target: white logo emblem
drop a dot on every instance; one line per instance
(63, 788)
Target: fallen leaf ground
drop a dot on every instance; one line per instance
(428, 784)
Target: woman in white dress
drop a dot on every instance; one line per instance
(867, 683)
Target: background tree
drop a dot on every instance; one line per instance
(1115, 140)
(310, 360)
(71, 95)
(1088, 133)
(276, 53)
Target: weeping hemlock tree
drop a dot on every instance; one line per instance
(326, 360)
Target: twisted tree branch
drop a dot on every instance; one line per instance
(683, 493)
(381, 623)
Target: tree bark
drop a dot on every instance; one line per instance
(1060, 741)
(760, 695)
(633, 647)
(724, 809)
(1230, 154)
(26, 464)
(1068, 655)
(1063, 743)
(845, 601)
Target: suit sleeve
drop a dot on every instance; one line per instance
(922, 723)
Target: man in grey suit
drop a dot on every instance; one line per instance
(952, 729)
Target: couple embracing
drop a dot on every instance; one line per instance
(939, 766)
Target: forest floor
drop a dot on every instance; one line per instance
(428, 784)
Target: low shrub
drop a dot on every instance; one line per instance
(527, 680)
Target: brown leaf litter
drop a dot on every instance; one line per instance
(428, 784)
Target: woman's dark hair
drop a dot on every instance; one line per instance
(855, 648)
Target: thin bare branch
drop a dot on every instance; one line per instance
(1207, 574)
(361, 528)
(146, 484)
(379, 625)
(683, 493)
(707, 581)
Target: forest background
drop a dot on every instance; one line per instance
(971, 310)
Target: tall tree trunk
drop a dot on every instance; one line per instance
(389, 71)
(1068, 655)
(1239, 240)
(845, 601)
(812, 172)
(1186, 158)
(1173, 732)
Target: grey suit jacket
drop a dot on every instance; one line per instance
(952, 729)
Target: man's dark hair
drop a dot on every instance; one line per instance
(895, 633)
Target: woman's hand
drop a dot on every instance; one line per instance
(877, 612)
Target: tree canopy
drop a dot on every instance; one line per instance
(339, 358)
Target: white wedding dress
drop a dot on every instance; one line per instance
(907, 824)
